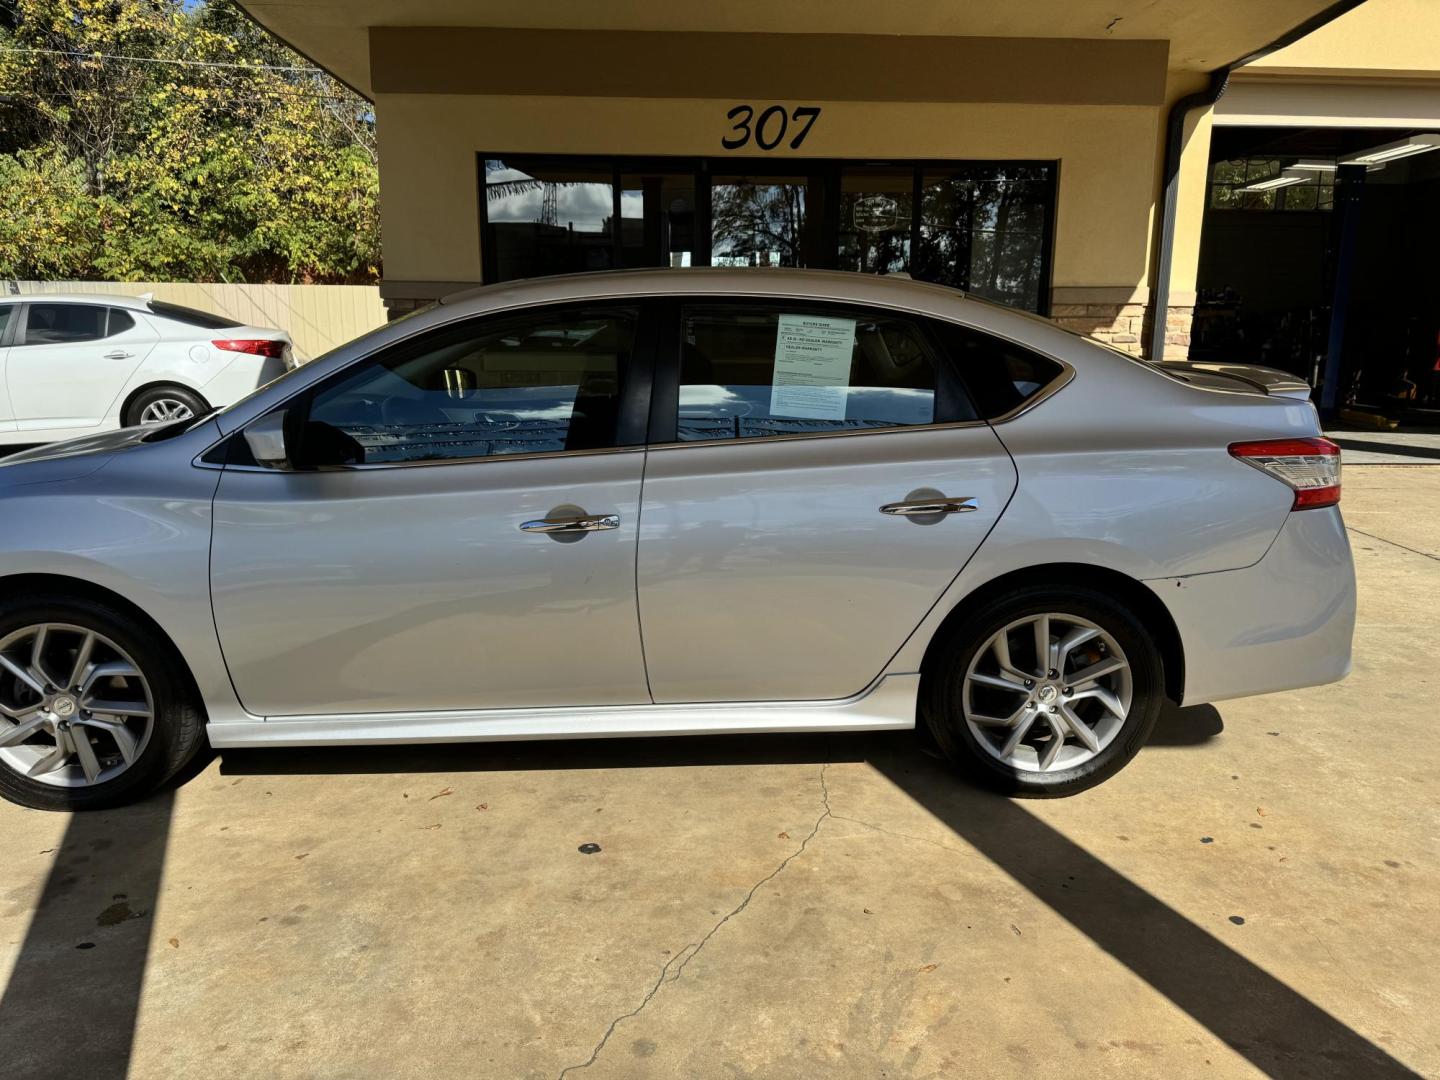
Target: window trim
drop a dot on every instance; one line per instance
(632, 413)
(7, 332)
(665, 400)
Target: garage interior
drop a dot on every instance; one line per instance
(1303, 222)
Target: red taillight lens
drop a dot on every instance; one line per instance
(1309, 467)
(255, 346)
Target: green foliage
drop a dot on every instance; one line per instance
(242, 163)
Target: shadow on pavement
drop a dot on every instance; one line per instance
(1277, 1029)
(69, 1008)
(71, 1003)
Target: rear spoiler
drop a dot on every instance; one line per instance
(1252, 377)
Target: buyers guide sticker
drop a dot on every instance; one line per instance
(812, 367)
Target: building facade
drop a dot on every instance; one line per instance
(1031, 153)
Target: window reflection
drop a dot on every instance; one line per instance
(758, 224)
(875, 211)
(549, 219)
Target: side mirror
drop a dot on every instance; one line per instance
(266, 439)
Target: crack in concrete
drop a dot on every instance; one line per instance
(1393, 543)
(690, 951)
(904, 835)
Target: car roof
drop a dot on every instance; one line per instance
(899, 289)
(134, 303)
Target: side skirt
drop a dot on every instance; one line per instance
(888, 705)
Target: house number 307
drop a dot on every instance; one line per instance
(769, 128)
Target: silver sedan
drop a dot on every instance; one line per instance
(674, 502)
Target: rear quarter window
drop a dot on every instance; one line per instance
(1000, 375)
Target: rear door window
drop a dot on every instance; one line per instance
(752, 370)
(57, 324)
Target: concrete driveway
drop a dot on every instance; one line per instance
(1255, 894)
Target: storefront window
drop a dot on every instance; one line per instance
(758, 222)
(547, 218)
(875, 212)
(981, 227)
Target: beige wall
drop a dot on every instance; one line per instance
(429, 181)
(317, 317)
(1396, 37)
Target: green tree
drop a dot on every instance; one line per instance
(205, 149)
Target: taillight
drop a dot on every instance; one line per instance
(1309, 467)
(255, 346)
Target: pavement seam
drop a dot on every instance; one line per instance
(690, 951)
(1393, 543)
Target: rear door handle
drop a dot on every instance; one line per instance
(118, 354)
(965, 504)
(599, 523)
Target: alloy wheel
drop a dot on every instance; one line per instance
(163, 410)
(75, 709)
(1047, 693)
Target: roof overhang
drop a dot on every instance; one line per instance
(336, 34)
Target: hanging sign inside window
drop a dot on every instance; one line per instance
(876, 213)
(812, 367)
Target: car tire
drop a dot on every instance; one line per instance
(175, 731)
(965, 679)
(174, 402)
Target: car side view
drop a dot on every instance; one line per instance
(673, 502)
(79, 364)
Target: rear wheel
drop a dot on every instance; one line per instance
(1045, 693)
(162, 405)
(93, 711)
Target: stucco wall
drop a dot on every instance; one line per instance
(429, 142)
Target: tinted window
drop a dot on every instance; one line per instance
(999, 374)
(756, 370)
(120, 321)
(51, 324)
(191, 316)
(524, 384)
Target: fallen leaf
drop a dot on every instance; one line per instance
(174, 942)
(483, 806)
(782, 836)
(442, 794)
(435, 826)
(305, 856)
(1016, 929)
(929, 967)
(47, 851)
(1260, 810)
(867, 911)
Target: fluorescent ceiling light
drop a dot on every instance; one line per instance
(1377, 155)
(1314, 165)
(1285, 179)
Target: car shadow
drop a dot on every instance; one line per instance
(69, 1007)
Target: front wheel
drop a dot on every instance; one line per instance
(93, 711)
(1045, 693)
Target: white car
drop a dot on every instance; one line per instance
(77, 364)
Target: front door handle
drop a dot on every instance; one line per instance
(965, 504)
(599, 523)
(118, 354)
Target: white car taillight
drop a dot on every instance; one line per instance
(1309, 467)
(254, 346)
